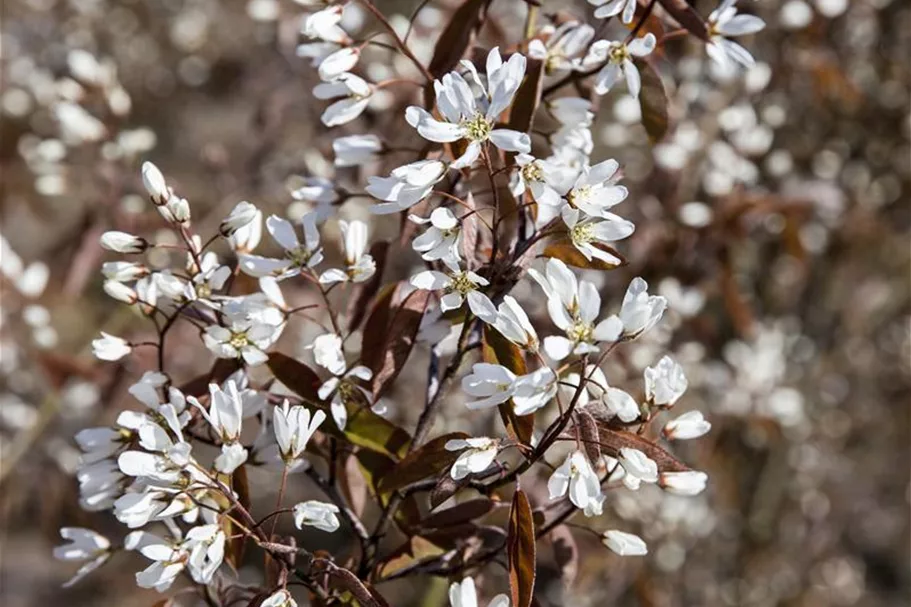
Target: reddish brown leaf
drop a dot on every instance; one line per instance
(445, 488)
(588, 433)
(400, 334)
(376, 325)
(426, 461)
(522, 115)
(220, 371)
(298, 377)
(520, 549)
(457, 36)
(687, 17)
(362, 292)
(653, 102)
(613, 440)
(234, 551)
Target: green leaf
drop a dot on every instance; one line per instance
(520, 549)
(428, 460)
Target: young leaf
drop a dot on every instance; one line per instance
(457, 37)
(376, 325)
(362, 292)
(587, 428)
(652, 102)
(445, 488)
(400, 335)
(460, 513)
(527, 98)
(298, 377)
(520, 549)
(613, 440)
(199, 386)
(426, 461)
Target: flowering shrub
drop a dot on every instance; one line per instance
(501, 204)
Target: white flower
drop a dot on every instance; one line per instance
(206, 544)
(355, 95)
(640, 311)
(123, 271)
(724, 22)
(328, 353)
(513, 323)
(110, 348)
(471, 118)
(537, 176)
(691, 482)
(624, 544)
(638, 468)
(316, 514)
(360, 265)
(534, 390)
(241, 215)
(565, 43)
(76, 124)
(246, 335)
(619, 57)
(441, 240)
(122, 242)
(664, 383)
(293, 427)
(688, 426)
(577, 476)
(584, 232)
(120, 292)
(595, 190)
(491, 384)
(406, 186)
(323, 25)
(169, 559)
(458, 285)
(281, 598)
(346, 392)
(356, 150)
(338, 63)
(84, 545)
(464, 594)
(477, 455)
(621, 404)
(610, 8)
(297, 255)
(155, 183)
(573, 306)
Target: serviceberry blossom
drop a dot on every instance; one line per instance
(346, 392)
(241, 215)
(665, 383)
(338, 63)
(624, 544)
(356, 150)
(596, 390)
(586, 233)
(246, 333)
(690, 425)
(610, 8)
(442, 239)
(298, 256)
(690, 482)
(538, 177)
(317, 514)
(359, 265)
(353, 94)
(639, 311)
(281, 598)
(458, 286)
(85, 545)
(637, 467)
(123, 242)
(513, 323)
(473, 118)
(577, 476)
(595, 190)
(619, 57)
(155, 184)
(328, 353)
(293, 427)
(225, 415)
(477, 454)
(561, 45)
(723, 23)
(464, 594)
(406, 186)
(110, 348)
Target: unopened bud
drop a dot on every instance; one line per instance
(120, 292)
(155, 183)
(122, 242)
(241, 215)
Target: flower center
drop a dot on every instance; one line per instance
(582, 233)
(618, 54)
(478, 128)
(462, 283)
(239, 340)
(580, 331)
(580, 194)
(347, 391)
(299, 256)
(532, 172)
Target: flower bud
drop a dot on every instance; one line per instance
(691, 482)
(123, 271)
(624, 544)
(176, 210)
(111, 348)
(339, 62)
(122, 242)
(120, 292)
(689, 425)
(155, 184)
(241, 215)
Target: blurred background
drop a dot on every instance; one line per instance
(774, 216)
